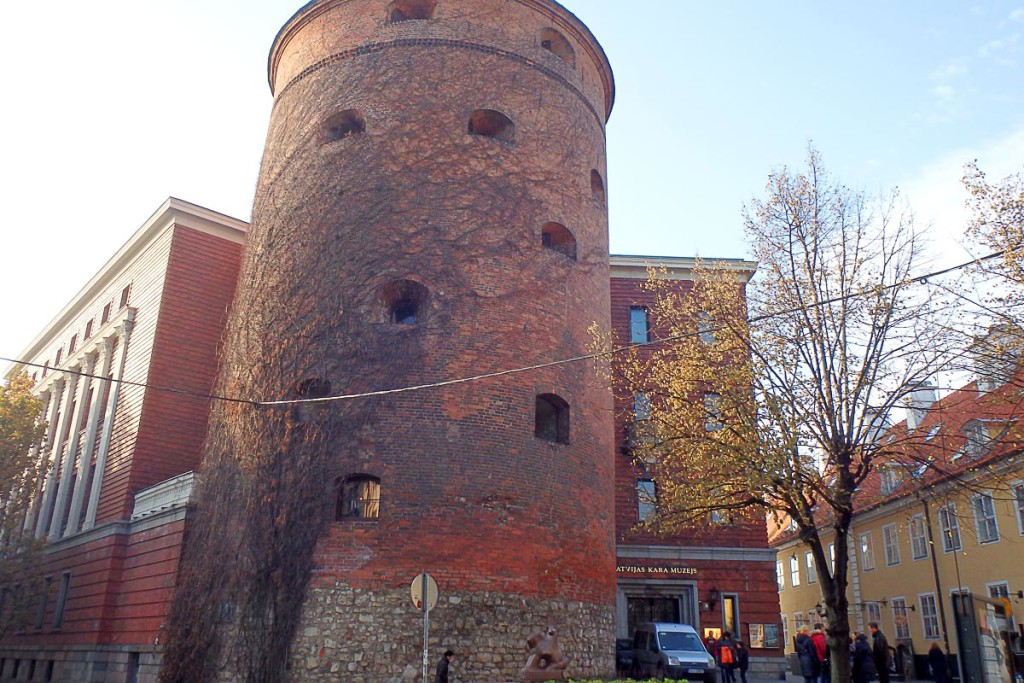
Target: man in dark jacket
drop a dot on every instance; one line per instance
(880, 652)
(863, 660)
(442, 667)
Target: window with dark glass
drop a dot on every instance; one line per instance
(552, 419)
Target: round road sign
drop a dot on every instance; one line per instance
(417, 591)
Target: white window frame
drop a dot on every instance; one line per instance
(780, 574)
(867, 552)
(929, 615)
(891, 544)
(918, 538)
(635, 324)
(899, 609)
(1003, 592)
(949, 527)
(832, 558)
(889, 479)
(794, 571)
(874, 612)
(990, 519)
(812, 575)
(798, 621)
(978, 440)
(1017, 488)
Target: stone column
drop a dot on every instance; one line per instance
(124, 331)
(37, 453)
(92, 426)
(74, 439)
(62, 390)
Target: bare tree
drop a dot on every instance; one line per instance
(779, 408)
(997, 226)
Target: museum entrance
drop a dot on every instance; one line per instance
(674, 605)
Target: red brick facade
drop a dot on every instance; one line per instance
(698, 575)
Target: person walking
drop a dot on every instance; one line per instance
(938, 663)
(821, 650)
(880, 650)
(863, 660)
(742, 660)
(807, 655)
(442, 667)
(726, 657)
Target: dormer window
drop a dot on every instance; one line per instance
(890, 479)
(977, 439)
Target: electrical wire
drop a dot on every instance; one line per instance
(130, 383)
(917, 279)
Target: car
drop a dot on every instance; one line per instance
(675, 651)
(623, 656)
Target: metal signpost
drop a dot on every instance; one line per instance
(424, 597)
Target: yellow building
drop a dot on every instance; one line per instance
(942, 518)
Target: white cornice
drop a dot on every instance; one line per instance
(172, 212)
(678, 267)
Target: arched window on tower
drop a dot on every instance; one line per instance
(408, 10)
(489, 123)
(557, 237)
(404, 302)
(552, 419)
(597, 185)
(357, 497)
(557, 44)
(343, 124)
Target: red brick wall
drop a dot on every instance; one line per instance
(120, 590)
(749, 533)
(202, 271)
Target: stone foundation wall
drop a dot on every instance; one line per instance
(79, 664)
(376, 637)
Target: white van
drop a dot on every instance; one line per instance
(671, 651)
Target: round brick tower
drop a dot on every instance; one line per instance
(431, 206)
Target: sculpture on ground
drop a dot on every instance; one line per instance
(546, 661)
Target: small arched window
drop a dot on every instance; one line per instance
(343, 124)
(552, 418)
(357, 497)
(313, 387)
(489, 123)
(597, 185)
(557, 237)
(408, 10)
(404, 302)
(557, 44)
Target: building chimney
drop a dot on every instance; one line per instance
(918, 403)
(878, 423)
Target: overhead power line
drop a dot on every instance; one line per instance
(917, 279)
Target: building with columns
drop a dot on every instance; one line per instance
(121, 450)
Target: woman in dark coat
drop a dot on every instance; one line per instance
(807, 654)
(863, 660)
(938, 664)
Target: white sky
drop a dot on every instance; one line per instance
(110, 106)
